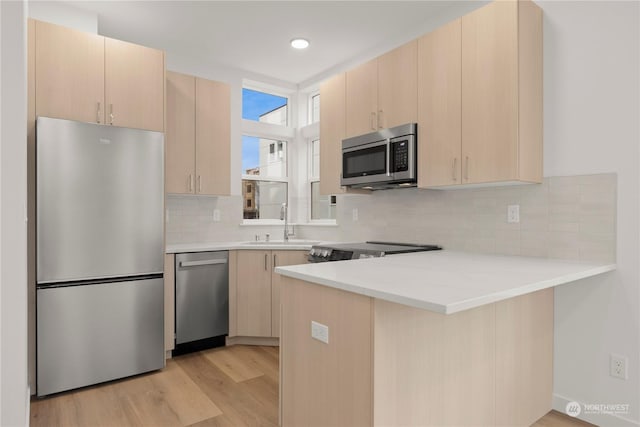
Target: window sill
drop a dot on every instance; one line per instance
(320, 223)
(262, 222)
(280, 223)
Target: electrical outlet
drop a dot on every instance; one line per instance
(513, 213)
(354, 214)
(216, 215)
(320, 332)
(618, 366)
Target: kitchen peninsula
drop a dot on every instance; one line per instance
(436, 338)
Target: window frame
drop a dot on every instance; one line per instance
(310, 98)
(313, 179)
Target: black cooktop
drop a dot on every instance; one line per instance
(372, 249)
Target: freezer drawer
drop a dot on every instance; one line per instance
(202, 295)
(94, 333)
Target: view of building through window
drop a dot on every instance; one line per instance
(264, 159)
(263, 199)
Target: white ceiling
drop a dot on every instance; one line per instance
(255, 35)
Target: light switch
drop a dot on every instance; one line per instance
(216, 215)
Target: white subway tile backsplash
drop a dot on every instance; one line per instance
(564, 217)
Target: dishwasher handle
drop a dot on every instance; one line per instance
(203, 262)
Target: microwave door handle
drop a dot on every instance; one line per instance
(365, 146)
(388, 157)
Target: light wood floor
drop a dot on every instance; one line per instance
(231, 386)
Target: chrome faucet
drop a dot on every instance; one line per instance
(283, 216)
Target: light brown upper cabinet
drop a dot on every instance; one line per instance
(502, 93)
(439, 106)
(198, 136)
(134, 85)
(90, 78)
(382, 93)
(361, 99)
(213, 137)
(69, 70)
(398, 86)
(501, 98)
(180, 137)
(332, 132)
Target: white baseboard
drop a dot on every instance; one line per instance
(605, 420)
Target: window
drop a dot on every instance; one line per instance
(264, 107)
(322, 207)
(260, 157)
(314, 109)
(264, 155)
(315, 158)
(265, 202)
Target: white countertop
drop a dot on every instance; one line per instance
(291, 245)
(444, 281)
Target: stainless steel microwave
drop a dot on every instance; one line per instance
(380, 160)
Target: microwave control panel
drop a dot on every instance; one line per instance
(400, 156)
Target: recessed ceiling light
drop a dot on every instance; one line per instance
(300, 43)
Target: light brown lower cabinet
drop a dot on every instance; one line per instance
(390, 364)
(254, 291)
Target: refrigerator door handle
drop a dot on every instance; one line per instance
(203, 262)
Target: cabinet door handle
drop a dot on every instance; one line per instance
(98, 114)
(265, 262)
(372, 121)
(111, 114)
(190, 183)
(453, 169)
(380, 119)
(199, 184)
(466, 169)
(275, 263)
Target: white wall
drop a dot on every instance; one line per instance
(591, 117)
(14, 395)
(65, 15)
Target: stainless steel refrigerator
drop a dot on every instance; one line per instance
(100, 253)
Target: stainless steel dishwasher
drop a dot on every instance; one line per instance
(202, 300)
